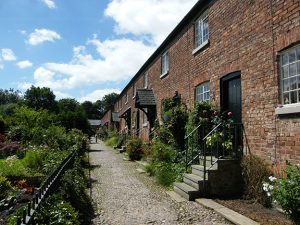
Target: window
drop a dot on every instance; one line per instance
(202, 92)
(126, 98)
(145, 80)
(201, 31)
(133, 91)
(164, 64)
(145, 119)
(290, 75)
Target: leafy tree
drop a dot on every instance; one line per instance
(40, 98)
(109, 100)
(68, 104)
(9, 96)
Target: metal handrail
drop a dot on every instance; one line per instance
(211, 131)
(47, 187)
(185, 137)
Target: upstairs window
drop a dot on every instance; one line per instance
(290, 75)
(203, 92)
(145, 80)
(201, 31)
(134, 90)
(164, 64)
(126, 98)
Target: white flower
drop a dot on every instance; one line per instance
(271, 178)
(269, 194)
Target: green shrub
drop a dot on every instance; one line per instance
(73, 189)
(5, 187)
(56, 211)
(162, 152)
(134, 149)
(168, 173)
(33, 160)
(112, 141)
(12, 167)
(255, 171)
(287, 192)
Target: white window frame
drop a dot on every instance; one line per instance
(289, 81)
(146, 80)
(201, 29)
(126, 98)
(202, 92)
(134, 91)
(165, 61)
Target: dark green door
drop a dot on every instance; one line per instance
(231, 95)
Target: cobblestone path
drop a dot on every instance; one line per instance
(123, 196)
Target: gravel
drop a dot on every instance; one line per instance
(122, 195)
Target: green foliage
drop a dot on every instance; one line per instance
(40, 98)
(112, 138)
(109, 100)
(175, 117)
(9, 96)
(255, 172)
(287, 192)
(56, 211)
(73, 187)
(5, 187)
(162, 152)
(167, 173)
(12, 167)
(134, 148)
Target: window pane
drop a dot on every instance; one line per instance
(293, 97)
(298, 68)
(298, 82)
(293, 85)
(285, 85)
(298, 53)
(293, 70)
(285, 59)
(286, 98)
(285, 71)
(292, 56)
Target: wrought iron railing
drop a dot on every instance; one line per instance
(48, 187)
(205, 145)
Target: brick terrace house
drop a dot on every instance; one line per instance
(242, 56)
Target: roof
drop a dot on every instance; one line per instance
(94, 122)
(115, 117)
(145, 98)
(195, 11)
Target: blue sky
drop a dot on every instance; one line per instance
(81, 49)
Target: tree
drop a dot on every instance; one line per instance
(9, 96)
(68, 104)
(40, 98)
(109, 100)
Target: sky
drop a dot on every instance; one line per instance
(81, 49)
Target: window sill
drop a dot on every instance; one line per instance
(164, 74)
(287, 109)
(145, 124)
(196, 50)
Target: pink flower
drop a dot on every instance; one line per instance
(229, 114)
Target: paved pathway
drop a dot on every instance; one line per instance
(122, 196)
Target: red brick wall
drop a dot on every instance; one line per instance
(245, 36)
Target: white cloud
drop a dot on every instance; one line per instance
(42, 35)
(156, 18)
(98, 95)
(50, 3)
(24, 64)
(8, 54)
(117, 60)
(60, 95)
(25, 85)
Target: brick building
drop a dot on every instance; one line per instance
(242, 56)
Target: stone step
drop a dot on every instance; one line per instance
(199, 169)
(186, 191)
(193, 180)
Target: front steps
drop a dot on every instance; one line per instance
(222, 179)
